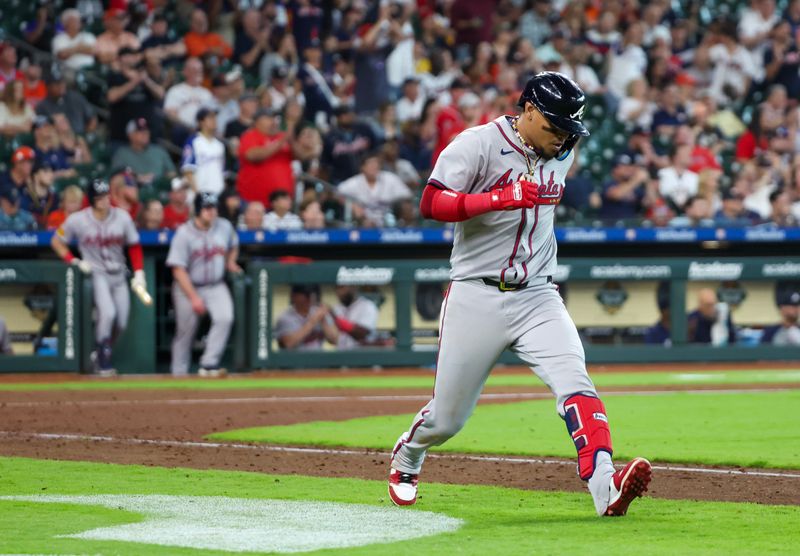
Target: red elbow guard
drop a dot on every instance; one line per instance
(447, 205)
(137, 256)
(587, 424)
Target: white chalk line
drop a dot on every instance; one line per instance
(343, 452)
(375, 398)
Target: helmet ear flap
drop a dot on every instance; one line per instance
(569, 144)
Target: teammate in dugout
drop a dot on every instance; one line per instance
(101, 231)
(202, 250)
(500, 182)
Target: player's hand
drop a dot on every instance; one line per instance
(139, 280)
(234, 268)
(82, 265)
(521, 194)
(198, 306)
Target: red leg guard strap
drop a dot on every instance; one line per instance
(588, 426)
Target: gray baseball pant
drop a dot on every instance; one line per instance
(219, 305)
(112, 301)
(477, 323)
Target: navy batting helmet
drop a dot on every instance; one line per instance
(559, 99)
(97, 188)
(205, 200)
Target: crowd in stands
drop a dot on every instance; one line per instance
(304, 117)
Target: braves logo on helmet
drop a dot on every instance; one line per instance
(205, 200)
(97, 188)
(559, 99)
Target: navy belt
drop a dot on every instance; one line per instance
(506, 287)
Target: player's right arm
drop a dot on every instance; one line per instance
(60, 244)
(446, 197)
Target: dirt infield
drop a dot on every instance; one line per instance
(167, 428)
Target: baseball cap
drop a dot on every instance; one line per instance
(270, 112)
(178, 184)
(623, 159)
(219, 81)
(280, 72)
(460, 83)
(788, 297)
(344, 108)
(306, 289)
(111, 13)
(54, 76)
(138, 124)
(41, 164)
(731, 194)
(23, 153)
(204, 112)
(10, 194)
(469, 100)
(248, 96)
(41, 121)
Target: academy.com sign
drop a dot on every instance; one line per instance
(364, 275)
(715, 271)
(640, 272)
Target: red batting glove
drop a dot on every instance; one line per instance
(521, 194)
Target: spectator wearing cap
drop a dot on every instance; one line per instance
(200, 42)
(115, 37)
(676, 183)
(281, 216)
(185, 99)
(410, 105)
(252, 41)
(280, 90)
(16, 115)
(320, 100)
(161, 44)
(733, 211)
(132, 94)
(265, 159)
(282, 54)
(226, 95)
(71, 201)
(71, 103)
(148, 161)
(306, 323)
(74, 47)
(8, 65)
(787, 332)
(627, 193)
(35, 88)
(38, 197)
(203, 158)
(373, 192)
(177, 210)
(345, 144)
(19, 174)
(248, 106)
(12, 217)
(124, 192)
(48, 149)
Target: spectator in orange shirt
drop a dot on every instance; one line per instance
(115, 37)
(200, 42)
(71, 201)
(265, 159)
(35, 88)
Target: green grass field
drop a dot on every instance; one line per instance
(492, 520)
(752, 429)
(387, 380)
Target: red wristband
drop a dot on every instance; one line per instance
(68, 257)
(136, 255)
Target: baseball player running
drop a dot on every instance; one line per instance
(500, 183)
(201, 251)
(101, 232)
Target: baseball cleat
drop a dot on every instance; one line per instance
(211, 373)
(627, 484)
(403, 487)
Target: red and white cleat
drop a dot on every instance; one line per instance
(403, 487)
(627, 484)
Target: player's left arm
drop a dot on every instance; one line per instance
(135, 254)
(233, 253)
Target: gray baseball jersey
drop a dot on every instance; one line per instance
(101, 242)
(290, 321)
(512, 246)
(202, 252)
(361, 311)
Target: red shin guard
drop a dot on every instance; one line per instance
(587, 424)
